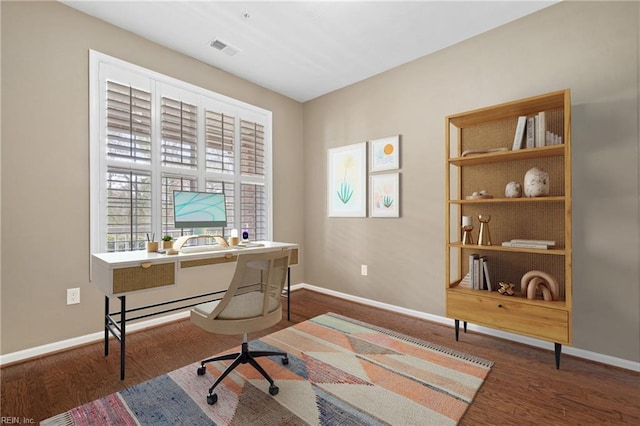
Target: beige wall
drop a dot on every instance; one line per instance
(45, 162)
(591, 48)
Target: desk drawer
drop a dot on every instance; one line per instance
(293, 260)
(208, 261)
(510, 315)
(140, 278)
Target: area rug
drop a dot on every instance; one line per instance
(341, 372)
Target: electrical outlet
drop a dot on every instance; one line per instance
(363, 270)
(73, 296)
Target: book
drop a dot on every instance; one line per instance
(519, 136)
(472, 272)
(531, 132)
(485, 270)
(525, 241)
(483, 277)
(481, 260)
(541, 129)
(476, 272)
(525, 245)
(553, 139)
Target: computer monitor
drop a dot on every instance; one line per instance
(199, 209)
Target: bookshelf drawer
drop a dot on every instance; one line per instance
(510, 314)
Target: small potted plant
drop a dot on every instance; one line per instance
(166, 242)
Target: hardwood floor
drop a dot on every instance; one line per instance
(523, 388)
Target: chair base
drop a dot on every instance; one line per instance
(244, 357)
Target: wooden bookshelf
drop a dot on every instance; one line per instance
(540, 218)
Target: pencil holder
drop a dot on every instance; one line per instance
(152, 246)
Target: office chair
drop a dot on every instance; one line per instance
(251, 303)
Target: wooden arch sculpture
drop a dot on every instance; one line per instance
(533, 281)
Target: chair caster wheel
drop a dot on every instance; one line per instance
(273, 390)
(213, 398)
(202, 370)
(285, 360)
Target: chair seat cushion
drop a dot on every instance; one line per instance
(242, 306)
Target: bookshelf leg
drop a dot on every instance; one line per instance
(465, 326)
(558, 350)
(457, 326)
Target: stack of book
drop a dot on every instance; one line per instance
(532, 132)
(478, 277)
(534, 244)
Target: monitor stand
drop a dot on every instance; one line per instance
(181, 241)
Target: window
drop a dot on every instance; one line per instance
(152, 135)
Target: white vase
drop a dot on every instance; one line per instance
(513, 190)
(536, 183)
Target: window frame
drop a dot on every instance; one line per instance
(101, 67)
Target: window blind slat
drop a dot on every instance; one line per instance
(251, 148)
(128, 123)
(179, 134)
(128, 209)
(253, 210)
(219, 142)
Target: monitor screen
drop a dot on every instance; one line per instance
(199, 210)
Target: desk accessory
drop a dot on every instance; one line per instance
(234, 240)
(180, 242)
(166, 242)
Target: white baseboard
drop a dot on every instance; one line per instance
(95, 337)
(62, 345)
(569, 350)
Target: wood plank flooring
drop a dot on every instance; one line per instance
(523, 388)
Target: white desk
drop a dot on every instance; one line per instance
(123, 273)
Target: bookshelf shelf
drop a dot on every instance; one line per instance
(502, 156)
(549, 251)
(487, 132)
(556, 199)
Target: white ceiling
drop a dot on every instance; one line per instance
(306, 49)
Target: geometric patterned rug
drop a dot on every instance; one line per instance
(341, 372)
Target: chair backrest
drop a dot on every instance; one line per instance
(253, 300)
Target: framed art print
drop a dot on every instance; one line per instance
(347, 181)
(385, 195)
(385, 153)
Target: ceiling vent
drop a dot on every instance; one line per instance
(224, 47)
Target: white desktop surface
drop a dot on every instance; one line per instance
(127, 258)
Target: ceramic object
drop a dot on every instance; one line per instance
(536, 183)
(508, 289)
(513, 190)
(479, 195)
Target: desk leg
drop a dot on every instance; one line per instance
(106, 325)
(123, 313)
(288, 294)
